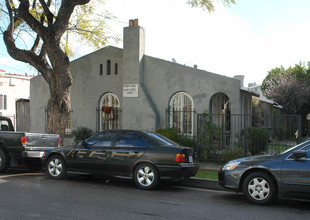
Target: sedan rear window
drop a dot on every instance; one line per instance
(161, 139)
(130, 139)
(101, 140)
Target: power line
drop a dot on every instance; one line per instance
(23, 71)
(13, 68)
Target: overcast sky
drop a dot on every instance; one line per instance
(249, 38)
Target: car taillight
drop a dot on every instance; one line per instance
(23, 140)
(180, 158)
(59, 141)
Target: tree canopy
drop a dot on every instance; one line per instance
(208, 4)
(46, 24)
(289, 87)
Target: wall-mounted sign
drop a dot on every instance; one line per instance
(130, 90)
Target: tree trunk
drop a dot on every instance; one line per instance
(60, 81)
(58, 111)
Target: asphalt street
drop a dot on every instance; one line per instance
(34, 196)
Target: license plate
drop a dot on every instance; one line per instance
(190, 159)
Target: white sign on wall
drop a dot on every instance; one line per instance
(130, 90)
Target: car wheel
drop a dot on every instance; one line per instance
(146, 176)
(259, 188)
(56, 167)
(4, 161)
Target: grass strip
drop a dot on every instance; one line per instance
(207, 174)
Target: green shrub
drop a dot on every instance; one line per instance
(256, 139)
(173, 135)
(170, 133)
(209, 135)
(280, 133)
(81, 133)
(188, 142)
(232, 153)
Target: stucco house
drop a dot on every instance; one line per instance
(14, 98)
(125, 88)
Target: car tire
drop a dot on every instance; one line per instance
(146, 176)
(259, 188)
(56, 167)
(4, 161)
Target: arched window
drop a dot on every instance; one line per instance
(108, 67)
(181, 110)
(110, 107)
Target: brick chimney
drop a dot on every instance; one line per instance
(133, 22)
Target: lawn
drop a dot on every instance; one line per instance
(278, 148)
(207, 174)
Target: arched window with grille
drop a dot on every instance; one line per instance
(110, 108)
(181, 113)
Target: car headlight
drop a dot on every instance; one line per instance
(231, 165)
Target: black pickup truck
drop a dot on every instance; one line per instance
(20, 149)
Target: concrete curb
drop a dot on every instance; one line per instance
(202, 183)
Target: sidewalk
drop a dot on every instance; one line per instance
(209, 166)
(202, 182)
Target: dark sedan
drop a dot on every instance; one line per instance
(263, 178)
(143, 156)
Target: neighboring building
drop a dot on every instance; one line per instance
(124, 88)
(267, 105)
(13, 88)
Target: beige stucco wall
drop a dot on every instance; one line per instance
(39, 95)
(89, 86)
(163, 79)
(158, 81)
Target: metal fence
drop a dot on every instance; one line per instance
(224, 137)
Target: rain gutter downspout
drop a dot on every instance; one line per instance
(148, 97)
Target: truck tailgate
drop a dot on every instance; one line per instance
(37, 141)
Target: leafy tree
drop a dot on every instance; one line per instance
(81, 133)
(208, 4)
(49, 22)
(289, 87)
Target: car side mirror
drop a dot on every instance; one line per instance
(300, 155)
(84, 144)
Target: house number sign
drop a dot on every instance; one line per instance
(130, 90)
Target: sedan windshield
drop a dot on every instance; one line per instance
(293, 148)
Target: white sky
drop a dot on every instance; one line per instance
(249, 38)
